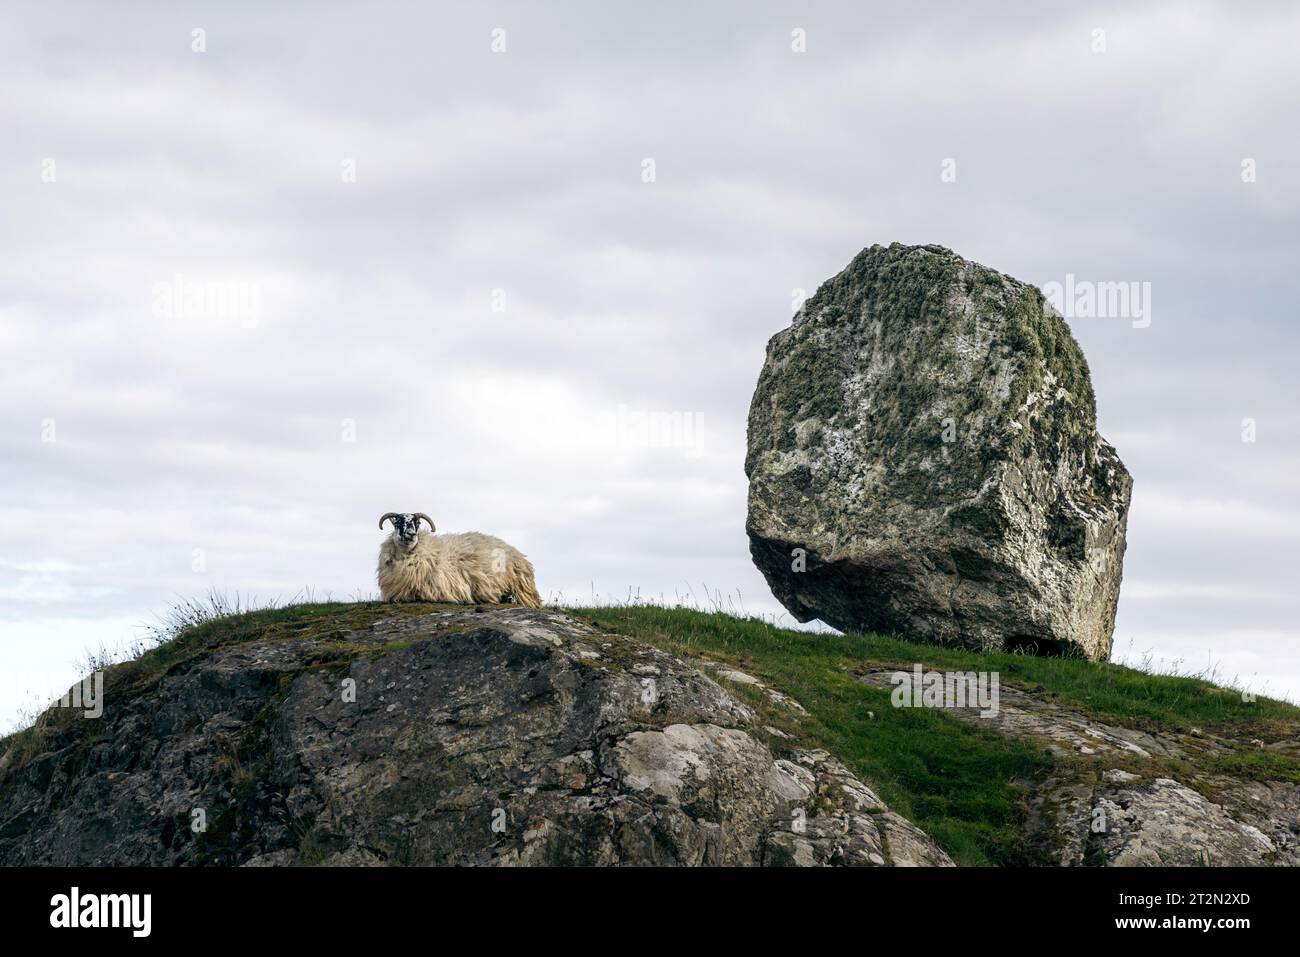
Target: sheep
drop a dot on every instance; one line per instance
(462, 568)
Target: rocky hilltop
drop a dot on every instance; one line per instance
(924, 460)
(373, 734)
(418, 735)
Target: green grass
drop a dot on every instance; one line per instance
(1259, 766)
(1136, 698)
(964, 785)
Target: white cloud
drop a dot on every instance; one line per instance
(1213, 519)
(521, 172)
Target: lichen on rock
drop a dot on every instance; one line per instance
(925, 433)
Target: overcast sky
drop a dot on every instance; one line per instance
(421, 274)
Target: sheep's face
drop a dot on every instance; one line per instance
(406, 527)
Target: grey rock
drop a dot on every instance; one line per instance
(925, 432)
(505, 736)
(1271, 807)
(741, 678)
(1089, 812)
(1167, 824)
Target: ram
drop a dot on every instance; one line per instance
(461, 568)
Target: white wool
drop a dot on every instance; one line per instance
(463, 568)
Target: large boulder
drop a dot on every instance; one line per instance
(924, 460)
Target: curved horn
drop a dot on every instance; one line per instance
(432, 527)
(387, 516)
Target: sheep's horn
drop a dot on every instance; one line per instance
(432, 527)
(386, 517)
